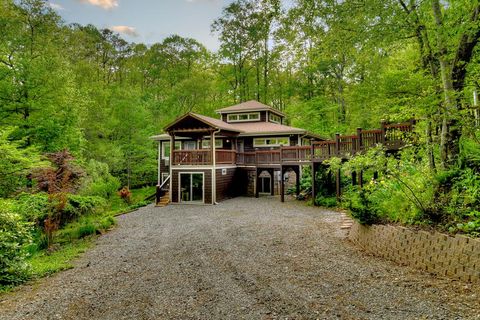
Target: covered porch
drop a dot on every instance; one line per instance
(204, 135)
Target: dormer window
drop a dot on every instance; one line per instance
(243, 117)
(275, 118)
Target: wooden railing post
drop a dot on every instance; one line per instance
(383, 127)
(360, 139)
(312, 149)
(412, 123)
(337, 144)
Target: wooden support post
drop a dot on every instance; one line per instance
(159, 164)
(337, 144)
(360, 178)
(282, 185)
(172, 159)
(338, 184)
(312, 149)
(383, 127)
(212, 147)
(314, 182)
(354, 178)
(360, 140)
(272, 182)
(257, 183)
(297, 181)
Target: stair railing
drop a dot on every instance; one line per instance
(160, 192)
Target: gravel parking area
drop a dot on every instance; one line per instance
(243, 259)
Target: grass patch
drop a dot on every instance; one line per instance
(44, 263)
(118, 206)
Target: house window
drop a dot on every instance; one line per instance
(275, 118)
(271, 142)
(239, 117)
(166, 149)
(206, 143)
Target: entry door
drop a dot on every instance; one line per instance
(265, 185)
(191, 187)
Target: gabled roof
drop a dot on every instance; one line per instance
(242, 129)
(211, 122)
(248, 106)
(217, 123)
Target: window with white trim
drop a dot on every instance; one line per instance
(271, 142)
(239, 117)
(275, 118)
(206, 143)
(166, 148)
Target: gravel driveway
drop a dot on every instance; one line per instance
(243, 259)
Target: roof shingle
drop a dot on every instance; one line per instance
(251, 105)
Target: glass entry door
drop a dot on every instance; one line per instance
(191, 187)
(265, 185)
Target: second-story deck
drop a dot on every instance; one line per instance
(391, 136)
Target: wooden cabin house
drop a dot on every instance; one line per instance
(203, 160)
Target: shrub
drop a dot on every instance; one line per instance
(81, 205)
(33, 207)
(326, 201)
(99, 181)
(358, 202)
(15, 237)
(107, 222)
(126, 195)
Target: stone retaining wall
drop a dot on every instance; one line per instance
(457, 257)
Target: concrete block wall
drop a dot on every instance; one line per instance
(456, 257)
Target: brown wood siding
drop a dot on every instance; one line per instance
(227, 185)
(207, 187)
(263, 116)
(163, 167)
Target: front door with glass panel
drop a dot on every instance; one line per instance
(265, 183)
(191, 187)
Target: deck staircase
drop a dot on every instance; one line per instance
(164, 200)
(162, 194)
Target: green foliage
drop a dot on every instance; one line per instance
(326, 201)
(37, 207)
(15, 163)
(99, 182)
(33, 207)
(81, 205)
(360, 205)
(86, 230)
(15, 237)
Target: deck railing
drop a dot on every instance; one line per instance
(392, 136)
(192, 157)
(226, 156)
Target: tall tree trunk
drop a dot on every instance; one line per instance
(448, 142)
(265, 70)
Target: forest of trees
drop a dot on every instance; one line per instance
(82, 100)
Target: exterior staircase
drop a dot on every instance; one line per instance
(347, 222)
(164, 200)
